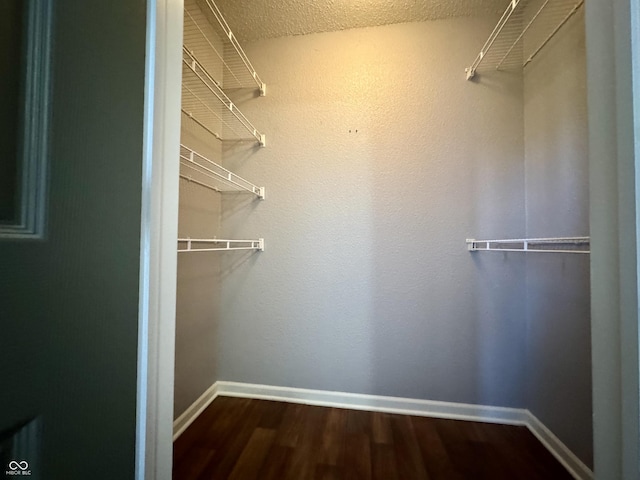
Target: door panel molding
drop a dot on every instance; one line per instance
(32, 158)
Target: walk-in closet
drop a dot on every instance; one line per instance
(384, 207)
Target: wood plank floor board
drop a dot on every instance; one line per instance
(305, 455)
(494, 464)
(328, 472)
(234, 440)
(333, 447)
(359, 421)
(272, 414)
(207, 432)
(459, 442)
(533, 451)
(410, 463)
(357, 464)
(381, 428)
(435, 455)
(197, 432)
(497, 441)
(290, 428)
(384, 464)
(275, 468)
(244, 439)
(214, 432)
(253, 456)
(199, 458)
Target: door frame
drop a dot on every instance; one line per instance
(159, 231)
(613, 53)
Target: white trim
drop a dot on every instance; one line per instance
(159, 229)
(631, 353)
(402, 406)
(614, 223)
(375, 403)
(143, 379)
(558, 449)
(187, 417)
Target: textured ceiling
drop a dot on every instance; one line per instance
(253, 20)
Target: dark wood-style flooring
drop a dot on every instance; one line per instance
(243, 439)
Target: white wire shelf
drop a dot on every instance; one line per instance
(523, 30)
(537, 245)
(218, 245)
(199, 169)
(204, 101)
(207, 33)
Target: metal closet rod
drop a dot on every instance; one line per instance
(227, 245)
(474, 245)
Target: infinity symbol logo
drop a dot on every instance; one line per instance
(13, 465)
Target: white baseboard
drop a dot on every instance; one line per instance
(181, 423)
(558, 449)
(403, 406)
(376, 403)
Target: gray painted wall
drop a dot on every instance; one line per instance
(69, 303)
(381, 160)
(198, 287)
(198, 284)
(557, 192)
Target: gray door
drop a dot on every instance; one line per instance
(69, 301)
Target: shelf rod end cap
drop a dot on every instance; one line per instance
(471, 72)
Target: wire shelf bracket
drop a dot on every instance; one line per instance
(201, 93)
(504, 48)
(219, 245)
(204, 167)
(533, 245)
